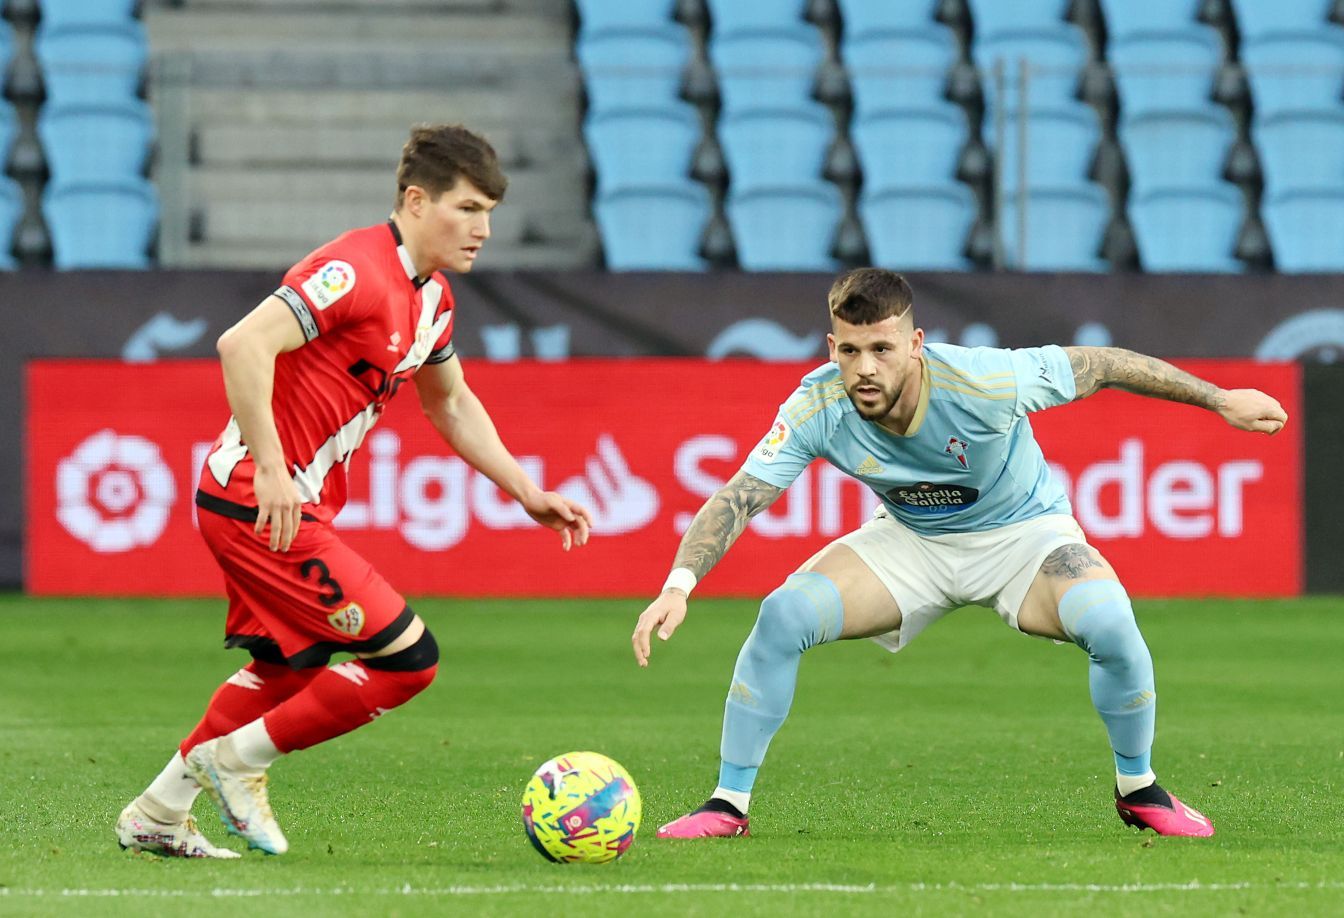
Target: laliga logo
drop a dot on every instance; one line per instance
(113, 492)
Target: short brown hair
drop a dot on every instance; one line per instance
(437, 155)
(865, 296)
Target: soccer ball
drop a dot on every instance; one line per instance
(581, 808)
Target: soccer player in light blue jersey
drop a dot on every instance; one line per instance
(970, 515)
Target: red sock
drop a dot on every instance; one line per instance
(341, 698)
(248, 694)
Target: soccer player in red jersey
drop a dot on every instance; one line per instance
(307, 373)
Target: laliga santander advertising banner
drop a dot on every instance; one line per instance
(1178, 501)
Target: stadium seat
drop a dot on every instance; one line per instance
(1187, 229)
(785, 229)
(84, 142)
(1054, 56)
(6, 49)
(1180, 149)
(768, 148)
(93, 64)
(772, 69)
(919, 228)
(909, 148)
(993, 17)
(1306, 229)
(604, 15)
(1129, 17)
(9, 130)
(654, 228)
(732, 17)
(1061, 142)
(11, 211)
(1260, 17)
(1301, 150)
(899, 69)
(632, 148)
(87, 12)
(1064, 228)
(101, 224)
(1295, 70)
(633, 68)
(861, 17)
(1163, 71)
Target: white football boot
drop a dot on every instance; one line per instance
(240, 796)
(138, 831)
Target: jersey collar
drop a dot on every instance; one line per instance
(407, 264)
(922, 406)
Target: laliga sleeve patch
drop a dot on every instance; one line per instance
(329, 283)
(774, 441)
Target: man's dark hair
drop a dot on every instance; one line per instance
(437, 155)
(868, 295)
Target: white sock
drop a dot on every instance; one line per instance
(174, 788)
(739, 799)
(253, 745)
(1128, 784)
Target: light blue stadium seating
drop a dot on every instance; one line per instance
(1064, 228)
(860, 17)
(6, 49)
(11, 211)
(1187, 229)
(905, 148)
(728, 17)
(633, 68)
(604, 15)
(992, 17)
(1180, 149)
(1061, 142)
(92, 64)
(1295, 70)
(86, 12)
(631, 148)
(1306, 229)
(85, 142)
(1259, 17)
(101, 224)
(899, 69)
(919, 228)
(654, 228)
(1162, 71)
(773, 69)
(785, 229)
(1301, 150)
(776, 148)
(1054, 55)
(1127, 17)
(9, 131)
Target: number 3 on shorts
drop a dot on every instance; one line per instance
(324, 579)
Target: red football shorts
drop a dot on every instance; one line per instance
(314, 600)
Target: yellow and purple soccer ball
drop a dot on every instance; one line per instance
(581, 807)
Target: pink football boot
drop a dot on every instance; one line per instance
(705, 823)
(1153, 808)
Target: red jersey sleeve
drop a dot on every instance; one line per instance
(333, 286)
(443, 349)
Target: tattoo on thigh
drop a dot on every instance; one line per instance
(1069, 561)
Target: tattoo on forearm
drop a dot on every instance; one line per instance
(1095, 368)
(721, 520)
(1069, 561)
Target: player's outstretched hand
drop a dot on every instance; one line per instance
(555, 511)
(278, 505)
(1251, 409)
(665, 613)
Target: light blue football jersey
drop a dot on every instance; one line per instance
(969, 460)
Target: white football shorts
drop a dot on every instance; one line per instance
(930, 575)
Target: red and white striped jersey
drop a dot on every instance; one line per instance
(370, 324)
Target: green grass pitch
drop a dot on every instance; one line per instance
(968, 774)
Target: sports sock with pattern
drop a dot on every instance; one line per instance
(245, 696)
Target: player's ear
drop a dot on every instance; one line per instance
(830, 346)
(917, 342)
(413, 201)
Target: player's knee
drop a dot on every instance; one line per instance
(1098, 616)
(805, 610)
(415, 665)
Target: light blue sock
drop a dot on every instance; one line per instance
(804, 611)
(1097, 615)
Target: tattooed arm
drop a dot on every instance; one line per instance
(715, 528)
(1097, 368)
